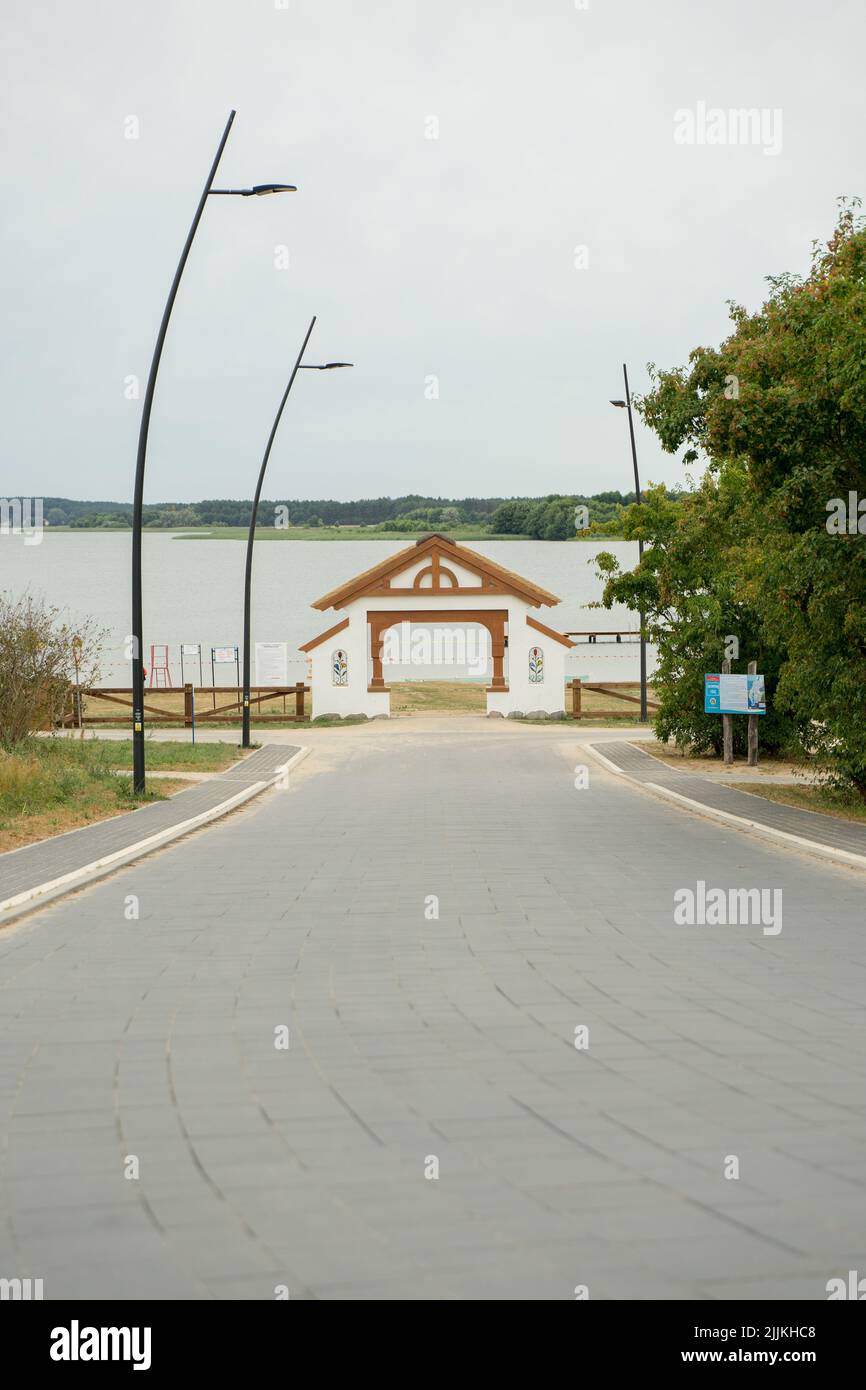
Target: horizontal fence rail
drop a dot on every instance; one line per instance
(178, 703)
(178, 707)
(612, 688)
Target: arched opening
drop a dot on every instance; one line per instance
(438, 660)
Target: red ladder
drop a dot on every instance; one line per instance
(160, 675)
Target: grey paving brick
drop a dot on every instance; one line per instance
(32, 865)
(449, 1039)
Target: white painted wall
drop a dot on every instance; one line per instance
(524, 697)
(521, 696)
(353, 698)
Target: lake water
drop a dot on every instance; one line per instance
(193, 592)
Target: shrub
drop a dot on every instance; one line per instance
(38, 655)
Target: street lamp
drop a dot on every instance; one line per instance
(138, 779)
(248, 572)
(258, 190)
(626, 405)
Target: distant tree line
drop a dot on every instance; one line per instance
(556, 518)
(543, 518)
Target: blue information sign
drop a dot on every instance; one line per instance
(724, 694)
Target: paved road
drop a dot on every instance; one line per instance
(33, 865)
(414, 1039)
(832, 831)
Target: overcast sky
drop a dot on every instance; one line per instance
(451, 257)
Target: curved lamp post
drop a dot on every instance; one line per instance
(626, 404)
(138, 777)
(248, 572)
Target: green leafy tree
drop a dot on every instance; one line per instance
(557, 520)
(511, 518)
(779, 409)
(689, 586)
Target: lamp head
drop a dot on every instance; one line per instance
(260, 190)
(324, 366)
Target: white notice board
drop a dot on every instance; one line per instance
(272, 663)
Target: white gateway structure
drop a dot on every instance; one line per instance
(435, 582)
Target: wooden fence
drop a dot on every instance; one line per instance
(206, 707)
(612, 688)
(177, 706)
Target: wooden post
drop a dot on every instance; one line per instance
(576, 699)
(497, 643)
(753, 724)
(377, 681)
(727, 725)
(299, 699)
(187, 706)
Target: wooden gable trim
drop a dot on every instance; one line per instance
(436, 545)
(498, 575)
(444, 591)
(362, 588)
(323, 636)
(549, 632)
(374, 576)
(436, 571)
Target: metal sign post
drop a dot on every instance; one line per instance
(224, 656)
(192, 651)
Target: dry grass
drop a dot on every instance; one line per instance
(41, 825)
(435, 697)
(593, 700)
(51, 785)
(826, 800)
(712, 762)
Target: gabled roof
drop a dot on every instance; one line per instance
(549, 632)
(323, 636)
(498, 579)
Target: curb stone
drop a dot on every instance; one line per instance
(819, 847)
(51, 889)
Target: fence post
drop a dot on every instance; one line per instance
(299, 699)
(753, 724)
(187, 706)
(576, 699)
